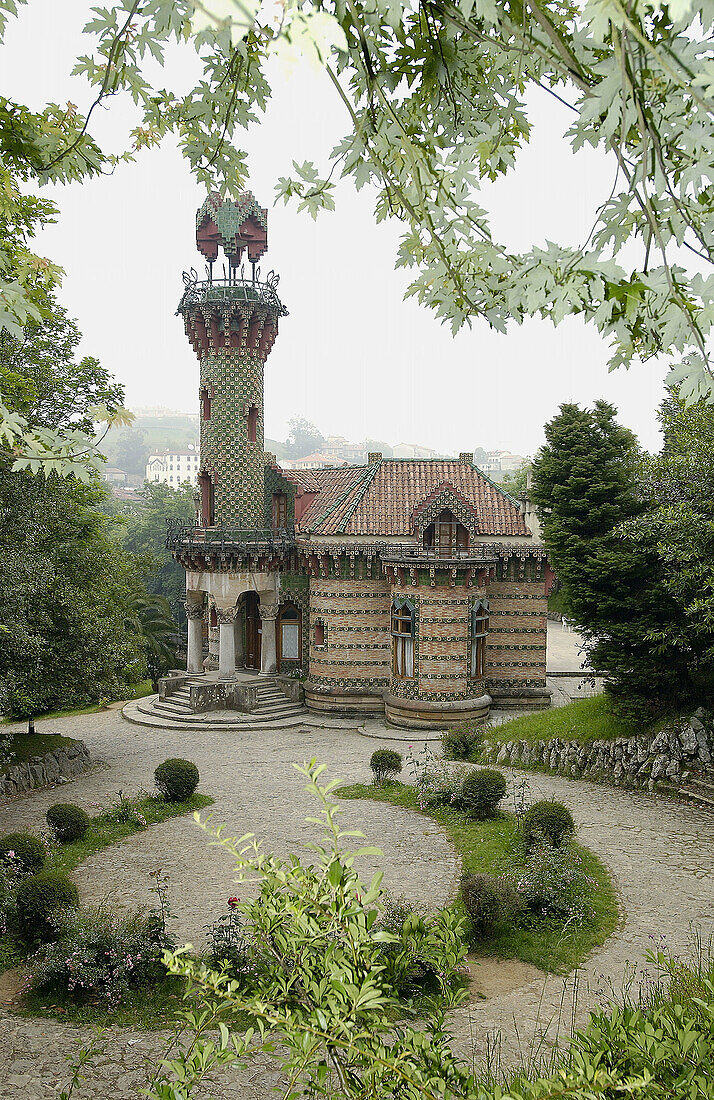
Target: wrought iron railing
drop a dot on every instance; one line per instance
(233, 288)
(237, 540)
(410, 552)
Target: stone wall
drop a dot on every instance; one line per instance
(679, 754)
(54, 767)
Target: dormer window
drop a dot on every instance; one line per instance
(446, 536)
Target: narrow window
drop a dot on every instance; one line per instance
(289, 633)
(280, 511)
(403, 640)
(205, 404)
(207, 500)
(479, 632)
(213, 618)
(252, 424)
(319, 633)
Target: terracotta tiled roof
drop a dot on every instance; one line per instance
(380, 499)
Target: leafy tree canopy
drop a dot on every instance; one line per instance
(303, 439)
(435, 96)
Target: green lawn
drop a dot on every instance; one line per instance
(583, 720)
(138, 691)
(487, 846)
(65, 857)
(24, 746)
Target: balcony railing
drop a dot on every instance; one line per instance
(234, 288)
(410, 552)
(235, 540)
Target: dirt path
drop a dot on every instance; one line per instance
(661, 854)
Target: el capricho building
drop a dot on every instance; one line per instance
(411, 588)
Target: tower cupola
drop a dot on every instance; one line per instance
(231, 319)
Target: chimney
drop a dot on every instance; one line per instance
(465, 456)
(374, 456)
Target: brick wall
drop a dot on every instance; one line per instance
(357, 653)
(515, 653)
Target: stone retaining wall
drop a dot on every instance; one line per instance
(670, 756)
(54, 767)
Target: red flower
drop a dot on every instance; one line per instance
(233, 903)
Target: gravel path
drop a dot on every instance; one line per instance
(661, 854)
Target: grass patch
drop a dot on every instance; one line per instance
(148, 1007)
(583, 721)
(24, 746)
(488, 847)
(137, 691)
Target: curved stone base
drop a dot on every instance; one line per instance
(526, 698)
(343, 702)
(421, 714)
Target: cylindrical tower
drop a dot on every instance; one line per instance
(232, 322)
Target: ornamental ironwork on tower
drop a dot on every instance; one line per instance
(232, 322)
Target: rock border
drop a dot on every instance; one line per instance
(680, 757)
(57, 766)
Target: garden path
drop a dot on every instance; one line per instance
(661, 854)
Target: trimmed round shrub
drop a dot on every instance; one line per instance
(67, 821)
(27, 850)
(176, 779)
(489, 901)
(38, 898)
(459, 742)
(547, 821)
(481, 792)
(385, 764)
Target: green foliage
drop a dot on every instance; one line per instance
(40, 899)
(481, 792)
(554, 883)
(547, 821)
(176, 779)
(27, 850)
(151, 619)
(385, 764)
(462, 742)
(67, 821)
(585, 487)
(101, 954)
(582, 721)
(303, 439)
(489, 901)
(425, 949)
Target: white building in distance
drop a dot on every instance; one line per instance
(173, 467)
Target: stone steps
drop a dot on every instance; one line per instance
(274, 709)
(695, 788)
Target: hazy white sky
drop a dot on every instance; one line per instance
(352, 356)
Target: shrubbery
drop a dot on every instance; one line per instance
(176, 779)
(41, 898)
(547, 821)
(26, 851)
(231, 946)
(385, 765)
(481, 792)
(489, 900)
(461, 742)
(67, 821)
(553, 883)
(101, 954)
(427, 948)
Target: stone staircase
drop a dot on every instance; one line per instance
(695, 786)
(274, 709)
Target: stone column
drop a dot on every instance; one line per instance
(268, 650)
(226, 642)
(194, 613)
(240, 654)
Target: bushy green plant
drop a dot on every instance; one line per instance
(553, 883)
(547, 821)
(67, 821)
(101, 954)
(40, 898)
(124, 811)
(425, 949)
(24, 849)
(481, 792)
(176, 779)
(461, 742)
(231, 945)
(385, 764)
(489, 901)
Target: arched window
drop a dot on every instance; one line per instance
(479, 633)
(403, 639)
(289, 623)
(252, 424)
(319, 633)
